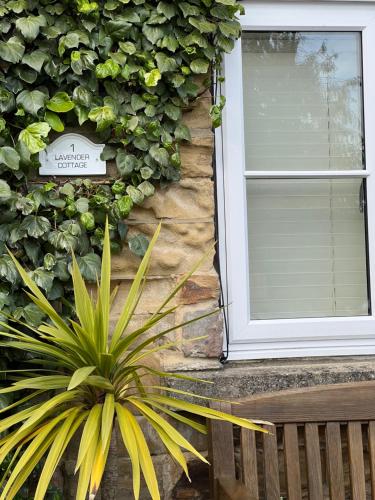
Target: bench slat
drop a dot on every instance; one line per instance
(249, 461)
(271, 465)
(293, 474)
(356, 462)
(334, 461)
(371, 447)
(314, 464)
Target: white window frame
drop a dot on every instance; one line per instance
(259, 339)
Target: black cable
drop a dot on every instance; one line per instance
(224, 355)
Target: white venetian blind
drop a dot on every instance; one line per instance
(303, 111)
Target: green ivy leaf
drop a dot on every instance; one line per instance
(32, 135)
(35, 225)
(128, 47)
(8, 270)
(124, 205)
(138, 245)
(188, 9)
(89, 265)
(33, 251)
(35, 59)
(60, 103)
(229, 28)
(82, 205)
(152, 78)
(170, 42)
(7, 101)
(126, 163)
(135, 194)
(17, 6)
(173, 112)
(5, 192)
(32, 315)
(182, 133)
(118, 28)
(146, 188)
(160, 155)
(26, 205)
(12, 50)
(199, 66)
(54, 121)
(83, 96)
(31, 101)
(153, 33)
(10, 157)
(63, 240)
(43, 278)
(109, 153)
(168, 10)
(226, 2)
(109, 68)
(165, 63)
(49, 261)
(87, 7)
(104, 116)
(202, 25)
(68, 190)
(29, 26)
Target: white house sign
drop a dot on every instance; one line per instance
(72, 154)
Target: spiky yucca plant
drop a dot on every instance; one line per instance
(97, 378)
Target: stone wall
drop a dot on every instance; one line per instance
(187, 210)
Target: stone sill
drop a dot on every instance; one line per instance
(240, 379)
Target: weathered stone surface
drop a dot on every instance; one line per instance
(180, 245)
(188, 199)
(153, 295)
(197, 116)
(200, 288)
(196, 157)
(243, 379)
(211, 327)
(177, 363)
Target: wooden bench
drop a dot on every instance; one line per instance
(322, 446)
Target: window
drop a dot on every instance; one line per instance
(296, 166)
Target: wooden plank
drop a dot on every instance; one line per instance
(338, 402)
(314, 465)
(271, 465)
(356, 462)
(230, 489)
(292, 465)
(334, 461)
(371, 447)
(221, 449)
(249, 461)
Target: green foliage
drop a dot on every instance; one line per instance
(91, 380)
(125, 69)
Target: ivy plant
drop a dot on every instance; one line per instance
(125, 69)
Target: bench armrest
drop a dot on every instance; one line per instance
(230, 489)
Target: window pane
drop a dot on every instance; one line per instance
(303, 100)
(307, 248)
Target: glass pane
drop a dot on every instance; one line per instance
(307, 248)
(303, 101)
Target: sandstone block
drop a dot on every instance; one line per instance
(196, 157)
(211, 327)
(179, 247)
(189, 199)
(197, 116)
(200, 288)
(154, 292)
